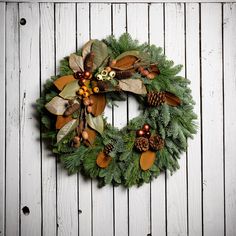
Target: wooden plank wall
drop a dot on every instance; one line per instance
(38, 198)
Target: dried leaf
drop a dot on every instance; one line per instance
(62, 81)
(62, 120)
(66, 129)
(101, 53)
(91, 136)
(133, 85)
(103, 161)
(147, 160)
(99, 104)
(69, 92)
(172, 100)
(88, 62)
(76, 63)
(95, 123)
(126, 63)
(57, 106)
(135, 54)
(87, 48)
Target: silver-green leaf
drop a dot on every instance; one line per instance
(95, 123)
(69, 91)
(76, 62)
(57, 106)
(133, 85)
(66, 129)
(87, 48)
(101, 53)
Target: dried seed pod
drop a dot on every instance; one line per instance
(108, 69)
(76, 141)
(100, 77)
(85, 135)
(151, 75)
(89, 109)
(71, 109)
(144, 72)
(112, 74)
(104, 73)
(95, 89)
(86, 101)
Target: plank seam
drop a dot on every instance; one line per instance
(201, 125)
(55, 46)
(40, 126)
(20, 149)
(223, 101)
(186, 70)
(5, 120)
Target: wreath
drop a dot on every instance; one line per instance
(102, 72)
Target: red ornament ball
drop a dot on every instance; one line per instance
(86, 74)
(146, 127)
(148, 134)
(140, 133)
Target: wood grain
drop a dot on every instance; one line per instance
(121, 209)
(102, 198)
(194, 148)
(30, 158)
(229, 36)
(139, 198)
(67, 199)
(176, 184)
(47, 67)
(85, 193)
(199, 199)
(212, 119)
(12, 120)
(158, 186)
(2, 119)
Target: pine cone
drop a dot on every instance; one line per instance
(123, 74)
(102, 85)
(142, 144)
(156, 142)
(156, 98)
(108, 148)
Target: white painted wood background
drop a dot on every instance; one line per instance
(199, 199)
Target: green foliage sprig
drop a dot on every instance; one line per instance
(174, 124)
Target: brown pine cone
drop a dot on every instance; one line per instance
(102, 85)
(123, 74)
(156, 143)
(156, 98)
(108, 148)
(142, 144)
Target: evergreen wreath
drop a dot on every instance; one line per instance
(102, 72)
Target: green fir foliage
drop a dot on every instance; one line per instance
(174, 124)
